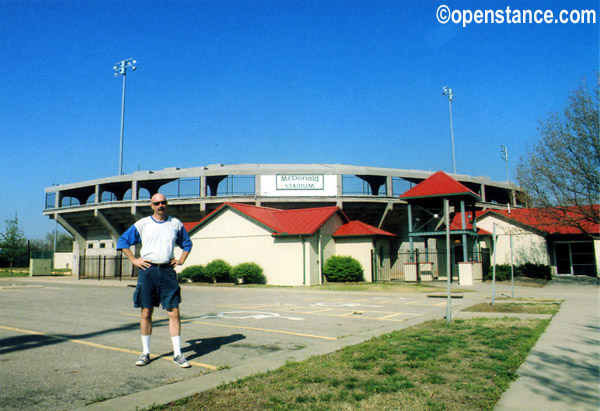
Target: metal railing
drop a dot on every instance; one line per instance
(422, 266)
(104, 267)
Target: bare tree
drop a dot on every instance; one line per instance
(561, 174)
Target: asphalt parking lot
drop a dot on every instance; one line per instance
(67, 344)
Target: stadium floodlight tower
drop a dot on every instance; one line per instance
(448, 92)
(504, 154)
(121, 70)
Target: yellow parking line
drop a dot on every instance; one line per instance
(387, 317)
(298, 310)
(255, 329)
(266, 330)
(102, 346)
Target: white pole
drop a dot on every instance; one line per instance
(448, 92)
(512, 269)
(452, 135)
(448, 260)
(494, 269)
(122, 126)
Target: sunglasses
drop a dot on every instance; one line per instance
(159, 203)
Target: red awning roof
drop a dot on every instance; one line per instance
(439, 184)
(456, 223)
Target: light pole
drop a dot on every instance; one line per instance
(121, 70)
(448, 92)
(504, 153)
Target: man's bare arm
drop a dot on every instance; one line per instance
(138, 262)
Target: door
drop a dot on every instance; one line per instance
(563, 258)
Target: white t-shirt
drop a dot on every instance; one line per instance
(158, 238)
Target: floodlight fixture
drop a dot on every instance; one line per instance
(448, 92)
(504, 154)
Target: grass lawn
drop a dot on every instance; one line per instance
(464, 365)
(521, 307)
(364, 286)
(16, 272)
(24, 272)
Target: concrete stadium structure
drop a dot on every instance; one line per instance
(97, 212)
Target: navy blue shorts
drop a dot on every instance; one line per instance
(157, 286)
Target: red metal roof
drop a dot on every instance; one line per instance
(359, 229)
(439, 184)
(282, 222)
(545, 221)
(456, 223)
(189, 226)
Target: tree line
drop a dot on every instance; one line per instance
(15, 248)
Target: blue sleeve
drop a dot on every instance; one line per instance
(129, 238)
(183, 240)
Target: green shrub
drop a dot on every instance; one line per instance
(195, 274)
(219, 270)
(342, 269)
(531, 270)
(249, 273)
(502, 272)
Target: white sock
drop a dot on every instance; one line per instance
(146, 344)
(176, 345)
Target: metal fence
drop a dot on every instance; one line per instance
(424, 266)
(106, 267)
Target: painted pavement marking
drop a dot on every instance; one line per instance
(334, 309)
(101, 346)
(255, 315)
(322, 337)
(241, 327)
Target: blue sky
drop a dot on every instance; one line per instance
(355, 82)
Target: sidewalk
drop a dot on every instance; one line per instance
(562, 371)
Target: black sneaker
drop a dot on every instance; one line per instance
(181, 361)
(143, 360)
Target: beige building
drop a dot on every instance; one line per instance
(97, 212)
(528, 244)
(539, 237)
(290, 245)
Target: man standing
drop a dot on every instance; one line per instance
(157, 280)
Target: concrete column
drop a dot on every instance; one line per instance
(257, 190)
(203, 186)
(78, 243)
(476, 241)
(389, 186)
(410, 229)
(464, 227)
(134, 190)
